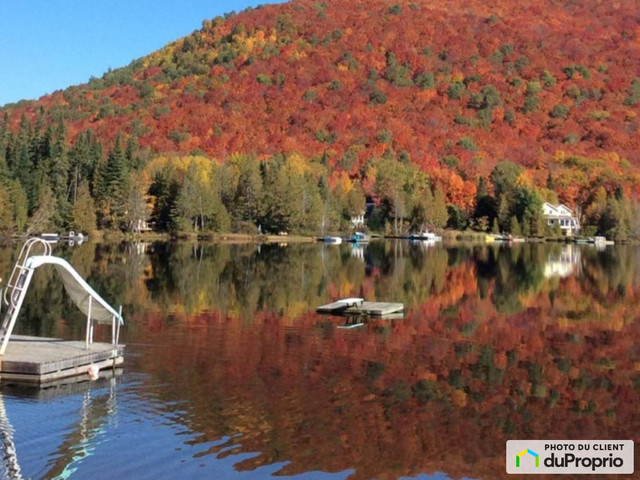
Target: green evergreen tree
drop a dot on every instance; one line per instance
(7, 225)
(246, 186)
(112, 188)
(485, 204)
(312, 206)
(440, 214)
(550, 183)
(18, 201)
(421, 216)
(59, 160)
(164, 188)
(84, 211)
(514, 227)
(80, 163)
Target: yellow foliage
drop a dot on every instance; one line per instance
(524, 180)
(559, 156)
(204, 165)
(344, 183)
(297, 55)
(298, 164)
(459, 398)
(457, 77)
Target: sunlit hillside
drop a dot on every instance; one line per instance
(451, 88)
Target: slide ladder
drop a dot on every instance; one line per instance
(17, 288)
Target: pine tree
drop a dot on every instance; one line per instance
(79, 163)
(84, 212)
(514, 227)
(19, 205)
(110, 184)
(6, 215)
(440, 214)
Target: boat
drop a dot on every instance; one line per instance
(496, 237)
(600, 240)
(426, 235)
(359, 237)
(330, 240)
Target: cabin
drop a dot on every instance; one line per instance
(563, 216)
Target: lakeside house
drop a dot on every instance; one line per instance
(357, 221)
(561, 215)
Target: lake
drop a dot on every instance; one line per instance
(229, 372)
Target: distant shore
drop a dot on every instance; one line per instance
(448, 236)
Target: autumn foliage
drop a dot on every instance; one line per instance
(453, 88)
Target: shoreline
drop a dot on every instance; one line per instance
(448, 236)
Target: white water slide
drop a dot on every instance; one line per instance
(83, 296)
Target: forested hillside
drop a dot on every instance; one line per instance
(467, 114)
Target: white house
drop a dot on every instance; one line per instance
(357, 221)
(561, 215)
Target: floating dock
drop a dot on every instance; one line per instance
(357, 306)
(43, 360)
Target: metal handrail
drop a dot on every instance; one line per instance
(12, 283)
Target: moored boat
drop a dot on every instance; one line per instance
(330, 240)
(426, 235)
(359, 237)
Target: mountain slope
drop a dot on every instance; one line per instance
(483, 80)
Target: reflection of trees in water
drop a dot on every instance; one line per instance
(392, 397)
(611, 270)
(245, 279)
(414, 400)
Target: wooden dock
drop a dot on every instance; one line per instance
(42, 360)
(357, 306)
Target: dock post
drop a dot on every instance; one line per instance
(89, 334)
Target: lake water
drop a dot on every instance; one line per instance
(229, 372)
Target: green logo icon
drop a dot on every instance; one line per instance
(530, 452)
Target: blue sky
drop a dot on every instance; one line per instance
(47, 45)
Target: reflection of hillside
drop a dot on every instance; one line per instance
(490, 349)
(415, 394)
(244, 279)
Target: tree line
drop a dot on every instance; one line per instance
(49, 183)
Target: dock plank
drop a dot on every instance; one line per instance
(41, 359)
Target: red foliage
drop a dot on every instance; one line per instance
(314, 77)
